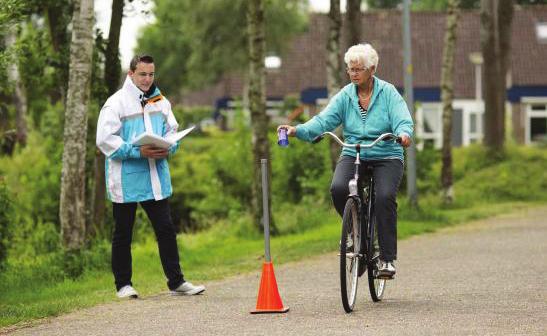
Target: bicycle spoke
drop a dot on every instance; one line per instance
(349, 255)
(376, 285)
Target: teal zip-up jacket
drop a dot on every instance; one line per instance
(387, 113)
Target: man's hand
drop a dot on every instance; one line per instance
(405, 140)
(149, 151)
(291, 130)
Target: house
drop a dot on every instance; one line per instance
(303, 72)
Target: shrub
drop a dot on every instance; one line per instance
(5, 220)
(191, 115)
(520, 177)
(32, 175)
(299, 171)
(212, 176)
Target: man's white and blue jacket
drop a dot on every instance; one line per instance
(124, 116)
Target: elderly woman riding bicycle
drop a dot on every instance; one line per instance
(366, 108)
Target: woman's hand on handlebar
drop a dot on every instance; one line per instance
(405, 140)
(291, 130)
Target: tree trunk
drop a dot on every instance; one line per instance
(112, 70)
(58, 15)
(112, 74)
(353, 20)
(257, 105)
(447, 94)
(496, 17)
(72, 204)
(97, 203)
(505, 19)
(19, 94)
(411, 171)
(334, 67)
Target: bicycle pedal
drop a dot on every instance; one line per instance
(385, 277)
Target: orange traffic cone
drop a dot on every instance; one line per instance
(268, 300)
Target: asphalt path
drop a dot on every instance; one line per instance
(482, 278)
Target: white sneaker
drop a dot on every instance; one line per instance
(386, 270)
(127, 292)
(188, 289)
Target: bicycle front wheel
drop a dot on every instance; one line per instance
(350, 241)
(376, 285)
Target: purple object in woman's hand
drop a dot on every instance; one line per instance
(282, 139)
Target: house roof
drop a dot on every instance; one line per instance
(304, 64)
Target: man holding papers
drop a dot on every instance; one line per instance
(140, 173)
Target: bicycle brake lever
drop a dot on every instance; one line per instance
(397, 139)
(318, 139)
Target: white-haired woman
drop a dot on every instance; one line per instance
(366, 108)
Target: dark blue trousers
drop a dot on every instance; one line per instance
(159, 215)
(387, 176)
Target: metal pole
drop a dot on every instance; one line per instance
(265, 212)
(409, 97)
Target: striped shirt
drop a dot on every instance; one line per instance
(363, 112)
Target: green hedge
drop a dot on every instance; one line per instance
(212, 176)
(5, 221)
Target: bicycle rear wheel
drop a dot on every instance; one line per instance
(350, 242)
(376, 286)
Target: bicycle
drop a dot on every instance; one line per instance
(358, 253)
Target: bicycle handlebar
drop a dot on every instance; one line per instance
(383, 137)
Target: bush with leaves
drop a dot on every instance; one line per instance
(187, 116)
(33, 177)
(519, 177)
(211, 176)
(210, 179)
(5, 221)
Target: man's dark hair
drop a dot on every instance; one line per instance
(138, 59)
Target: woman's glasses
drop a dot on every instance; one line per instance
(355, 70)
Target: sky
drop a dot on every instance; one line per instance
(135, 20)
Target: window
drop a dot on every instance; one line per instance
(432, 122)
(538, 107)
(536, 119)
(474, 127)
(473, 123)
(538, 128)
(429, 124)
(467, 121)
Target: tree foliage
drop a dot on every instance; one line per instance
(11, 11)
(195, 43)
